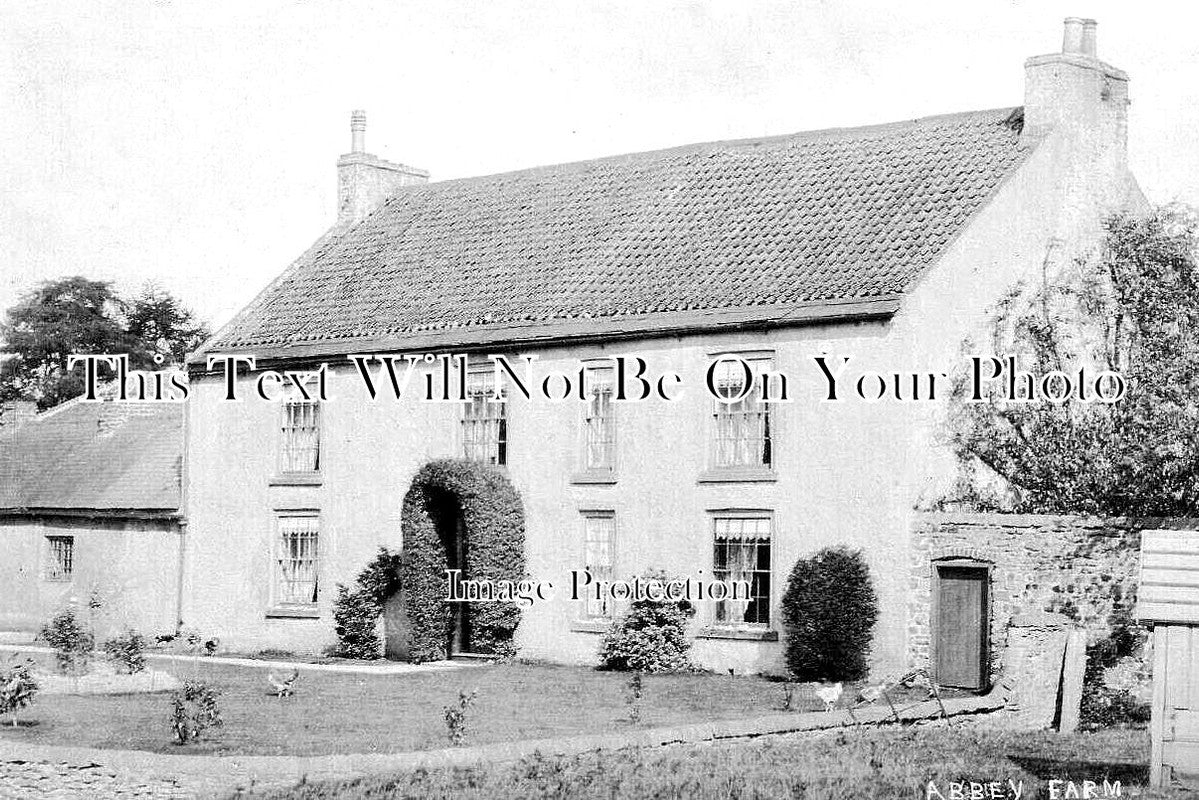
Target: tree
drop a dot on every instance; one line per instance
(55, 320)
(1132, 307)
(77, 315)
(164, 326)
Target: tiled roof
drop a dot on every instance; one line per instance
(100, 456)
(757, 227)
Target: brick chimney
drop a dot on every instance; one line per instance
(364, 181)
(1082, 103)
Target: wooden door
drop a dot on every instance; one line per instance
(1175, 728)
(961, 626)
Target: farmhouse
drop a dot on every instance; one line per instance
(887, 244)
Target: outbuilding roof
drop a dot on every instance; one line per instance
(823, 223)
(102, 456)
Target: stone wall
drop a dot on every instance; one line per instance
(1084, 568)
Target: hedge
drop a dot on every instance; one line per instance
(494, 522)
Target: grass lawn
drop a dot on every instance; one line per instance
(349, 713)
(884, 763)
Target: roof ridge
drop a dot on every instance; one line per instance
(807, 135)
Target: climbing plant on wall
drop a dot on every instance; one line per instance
(494, 526)
(357, 609)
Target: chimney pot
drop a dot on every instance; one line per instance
(1072, 38)
(358, 132)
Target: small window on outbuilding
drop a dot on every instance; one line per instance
(60, 558)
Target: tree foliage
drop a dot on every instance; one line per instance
(1131, 307)
(78, 315)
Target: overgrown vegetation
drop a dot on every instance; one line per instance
(651, 636)
(17, 686)
(855, 763)
(356, 610)
(72, 642)
(1132, 307)
(494, 523)
(1104, 706)
(829, 610)
(194, 709)
(127, 651)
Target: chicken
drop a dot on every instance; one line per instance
(830, 695)
(285, 686)
(871, 694)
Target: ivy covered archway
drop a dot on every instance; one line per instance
(492, 519)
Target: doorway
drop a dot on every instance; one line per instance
(446, 513)
(961, 614)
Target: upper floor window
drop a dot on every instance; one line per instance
(599, 422)
(741, 428)
(60, 558)
(599, 544)
(484, 421)
(742, 556)
(296, 577)
(301, 444)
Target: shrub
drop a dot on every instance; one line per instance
(455, 717)
(194, 709)
(494, 522)
(1104, 706)
(633, 696)
(17, 687)
(72, 642)
(650, 637)
(829, 611)
(127, 651)
(356, 611)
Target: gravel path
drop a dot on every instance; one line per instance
(20, 780)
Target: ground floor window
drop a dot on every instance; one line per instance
(742, 554)
(296, 577)
(599, 542)
(60, 558)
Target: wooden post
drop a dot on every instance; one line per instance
(1157, 725)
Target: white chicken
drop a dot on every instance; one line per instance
(871, 694)
(283, 687)
(830, 695)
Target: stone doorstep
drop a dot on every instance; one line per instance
(217, 774)
(384, 668)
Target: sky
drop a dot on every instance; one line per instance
(192, 143)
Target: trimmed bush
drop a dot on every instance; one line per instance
(71, 641)
(127, 651)
(829, 611)
(494, 522)
(650, 637)
(356, 611)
